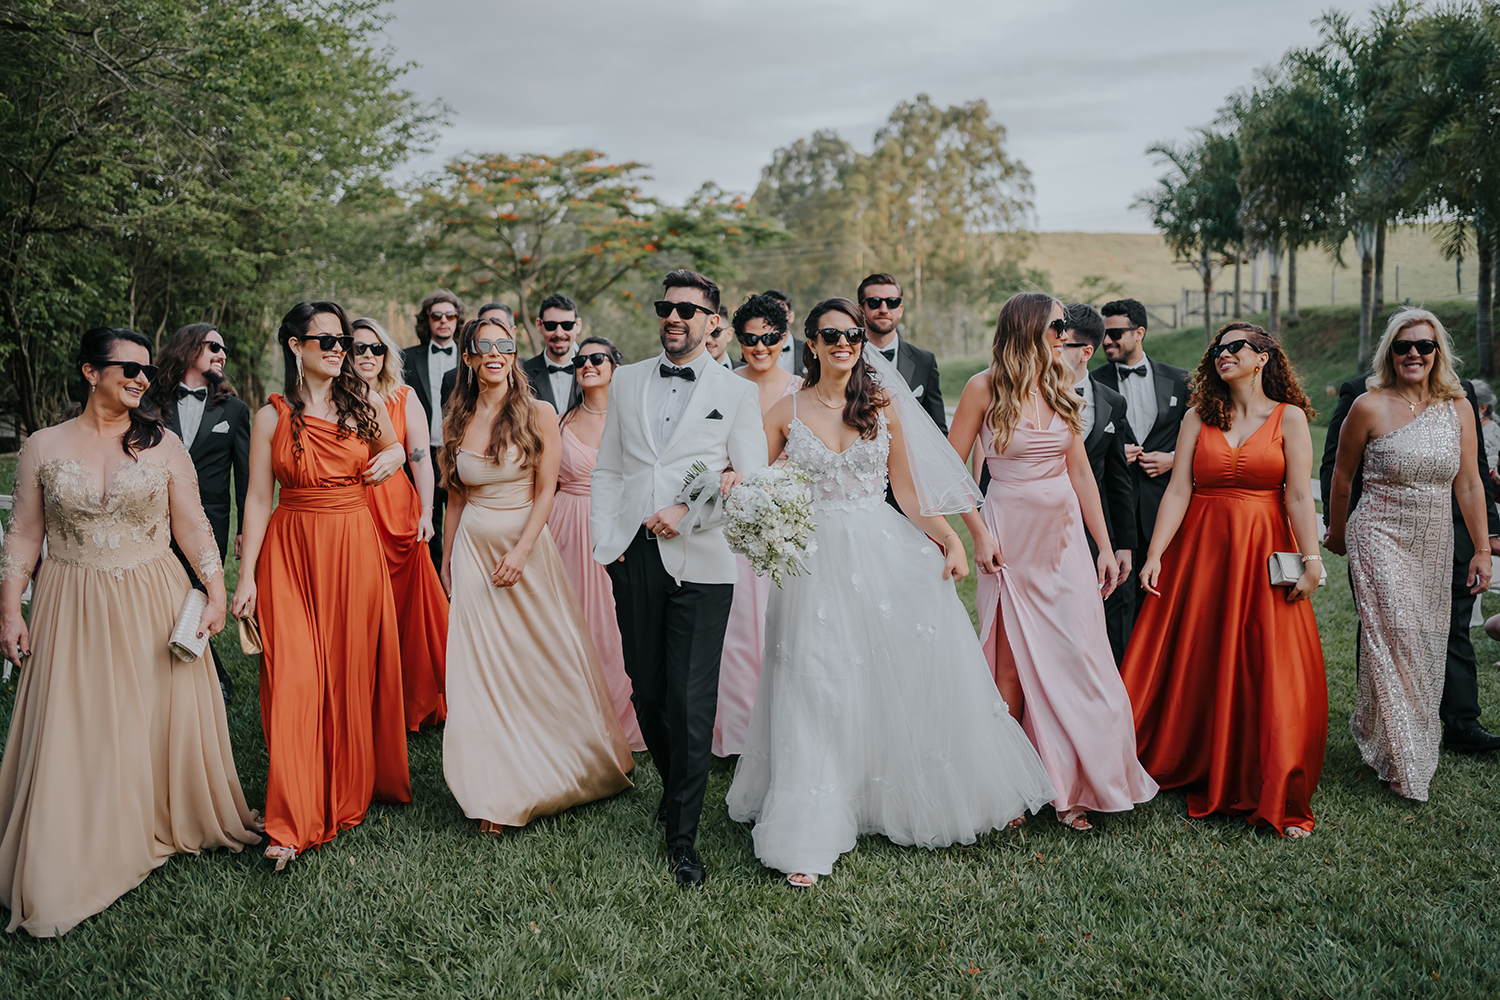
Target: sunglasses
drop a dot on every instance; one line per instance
(1058, 326)
(855, 335)
(552, 324)
(597, 360)
(214, 347)
(376, 349)
(1072, 343)
(1117, 332)
(1405, 347)
(684, 310)
(1233, 347)
(441, 317)
(873, 302)
(751, 339)
(133, 369)
(329, 342)
(486, 346)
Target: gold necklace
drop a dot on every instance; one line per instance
(1409, 404)
(831, 406)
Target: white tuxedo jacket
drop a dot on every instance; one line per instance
(721, 427)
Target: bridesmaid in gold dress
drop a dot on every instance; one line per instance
(118, 755)
(531, 727)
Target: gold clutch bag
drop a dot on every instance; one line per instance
(249, 636)
(185, 642)
(1287, 568)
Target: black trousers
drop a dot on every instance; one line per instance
(673, 637)
(1460, 705)
(439, 505)
(1119, 617)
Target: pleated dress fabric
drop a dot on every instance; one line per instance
(330, 678)
(118, 754)
(532, 729)
(1226, 678)
(421, 605)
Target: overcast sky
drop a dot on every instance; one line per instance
(708, 89)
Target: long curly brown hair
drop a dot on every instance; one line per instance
(351, 400)
(1278, 379)
(516, 423)
(863, 398)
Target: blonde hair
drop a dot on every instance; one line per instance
(390, 378)
(1021, 356)
(1442, 380)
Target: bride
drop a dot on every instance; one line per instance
(875, 711)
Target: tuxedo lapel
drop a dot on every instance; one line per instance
(423, 370)
(1103, 415)
(541, 382)
(1107, 374)
(211, 415)
(906, 361)
(173, 423)
(1163, 395)
(645, 407)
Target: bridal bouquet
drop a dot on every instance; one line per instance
(768, 520)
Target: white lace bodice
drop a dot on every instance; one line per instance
(853, 479)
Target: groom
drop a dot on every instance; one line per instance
(671, 418)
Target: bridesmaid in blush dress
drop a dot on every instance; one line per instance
(314, 575)
(402, 509)
(1225, 671)
(581, 428)
(1040, 596)
(760, 325)
(531, 727)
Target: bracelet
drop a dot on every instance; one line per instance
(1308, 559)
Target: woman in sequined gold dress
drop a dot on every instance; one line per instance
(1417, 448)
(118, 755)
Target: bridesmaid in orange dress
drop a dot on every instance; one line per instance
(403, 516)
(1225, 671)
(314, 575)
(582, 426)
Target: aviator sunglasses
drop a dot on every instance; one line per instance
(1405, 347)
(132, 369)
(684, 310)
(751, 339)
(329, 342)
(873, 302)
(855, 335)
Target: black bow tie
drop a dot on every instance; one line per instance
(686, 374)
(183, 392)
(1137, 370)
(1078, 389)
(443, 350)
(554, 369)
(890, 355)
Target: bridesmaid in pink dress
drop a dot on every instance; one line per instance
(582, 426)
(1040, 600)
(760, 325)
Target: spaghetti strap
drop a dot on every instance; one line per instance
(794, 406)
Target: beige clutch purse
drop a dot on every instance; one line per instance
(1287, 568)
(185, 642)
(249, 636)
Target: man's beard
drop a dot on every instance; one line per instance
(689, 345)
(870, 323)
(213, 376)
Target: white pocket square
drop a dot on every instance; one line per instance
(918, 391)
(1173, 401)
(1109, 428)
(222, 427)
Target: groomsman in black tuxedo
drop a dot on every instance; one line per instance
(1156, 400)
(424, 366)
(202, 409)
(551, 371)
(1459, 708)
(791, 348)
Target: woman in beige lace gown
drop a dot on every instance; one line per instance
(1416, 448)
(118, 755)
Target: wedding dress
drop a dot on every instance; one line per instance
(875, 712)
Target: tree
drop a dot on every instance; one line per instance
(1196, 206)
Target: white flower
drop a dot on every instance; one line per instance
(768, 520)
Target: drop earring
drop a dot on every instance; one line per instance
(299, 371)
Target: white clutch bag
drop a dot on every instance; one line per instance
(1287, 568)
(185, 642)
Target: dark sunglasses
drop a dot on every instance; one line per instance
(1233, 347)
(1117, 332)
(1058, 326)
(214, 347)
(552, 324)
(440, 317)
(1405, 347)
(873, 302)
(597, 360)
(855, 335)
(751, 339)
(684, 310)
(329, 341)
(376, 349)
(132, 369)
(485, 346)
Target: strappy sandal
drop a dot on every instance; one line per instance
(1296, 833)
(283, 856)
(1018, 821)
(801, 880)
(1075, 819)
(491, 829)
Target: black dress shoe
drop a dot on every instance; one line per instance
(686, 866)
(1473, 738)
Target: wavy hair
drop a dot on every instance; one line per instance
(616, 359)
(1020, 358)
(1278, 379)
(95, 349)
(863, 397)
(516, 424)
(180, 354)
(1442, 380)
(423, 324)
(390, 378)
(354, 412)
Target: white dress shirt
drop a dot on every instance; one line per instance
(189, 416)
(439, 363)
(562, 382)
(728, 362)
(1085, 387)
(894, 346)
(1140, 399)
(786, 359)
(667, 398)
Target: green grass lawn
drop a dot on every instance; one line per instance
(1387, 898)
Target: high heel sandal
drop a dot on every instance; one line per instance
(1018, 821)
(806, 880)
(1075, 819)
(491, 829)
(283, 856)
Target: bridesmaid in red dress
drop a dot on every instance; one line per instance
(1225, 671)
(314, 575)
(402, 509)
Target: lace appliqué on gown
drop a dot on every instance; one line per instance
(852, 479)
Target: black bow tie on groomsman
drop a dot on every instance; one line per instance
(1137, 370)
(890, 355)
(183, 392)
(1078, 389)
(686, 374)
(442, 350)
(554, 369)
